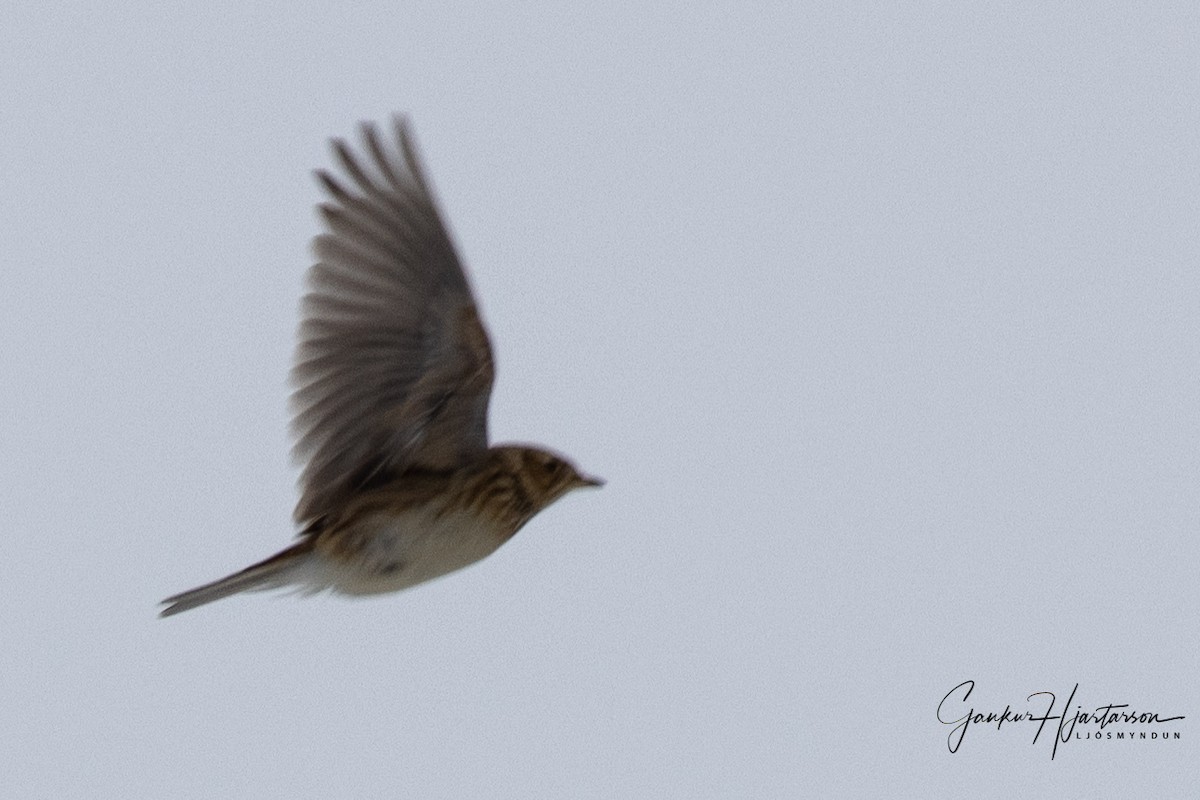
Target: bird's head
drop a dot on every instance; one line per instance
(548, 476)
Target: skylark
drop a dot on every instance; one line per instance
(392, 373)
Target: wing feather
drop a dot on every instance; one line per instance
(393, 369)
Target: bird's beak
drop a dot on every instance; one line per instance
(587, 480)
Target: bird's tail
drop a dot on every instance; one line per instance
(278, 570)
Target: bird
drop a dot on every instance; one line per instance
(391, 379)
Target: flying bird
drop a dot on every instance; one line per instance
(392, 376)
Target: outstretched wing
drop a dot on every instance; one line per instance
(393, 369)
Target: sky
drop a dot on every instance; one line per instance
(879, 320)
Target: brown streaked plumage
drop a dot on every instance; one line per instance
(393, 374)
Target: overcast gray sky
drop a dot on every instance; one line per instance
(882, 325)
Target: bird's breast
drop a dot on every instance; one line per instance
(386, 552)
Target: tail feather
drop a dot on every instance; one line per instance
(276, 571)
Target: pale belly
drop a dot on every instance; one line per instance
(391, 553)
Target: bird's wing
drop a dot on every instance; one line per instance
(393, 368)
